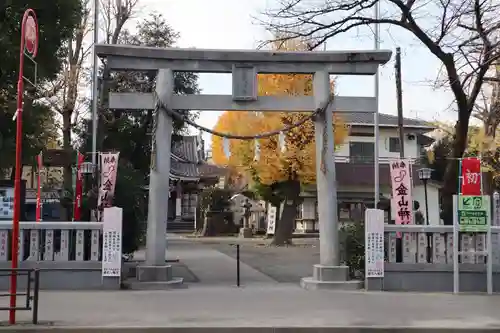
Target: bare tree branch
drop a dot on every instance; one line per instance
(463, 34)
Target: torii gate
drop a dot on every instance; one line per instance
(244, 66)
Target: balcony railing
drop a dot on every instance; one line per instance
(368, 159)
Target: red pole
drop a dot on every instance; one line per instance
(28, 34)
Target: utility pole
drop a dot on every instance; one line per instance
(399, 97)
(376, 131)
(95, 83)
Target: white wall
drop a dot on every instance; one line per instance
(308, 208)
(410, 146)
(433, 200)
(418, 194)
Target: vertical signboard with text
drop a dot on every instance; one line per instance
(112, 242)
(374, 243)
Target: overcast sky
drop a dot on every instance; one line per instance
(228, 24)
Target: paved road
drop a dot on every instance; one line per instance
(204, 264)
(283, 264)
(262, 302)
(265, 306)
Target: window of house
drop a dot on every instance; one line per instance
(361, 152)
(344, 211)
(394, 146)
(188, 204)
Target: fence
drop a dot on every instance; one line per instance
(68, 254)
(422, 260)
(30, 298)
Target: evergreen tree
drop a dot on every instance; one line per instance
(129, 132)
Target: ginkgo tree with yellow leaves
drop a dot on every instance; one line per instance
(276, 171)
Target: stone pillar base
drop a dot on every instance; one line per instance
(330, 277)
(374, 284)
(156, 277)
(246, 233)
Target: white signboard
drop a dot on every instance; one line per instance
(271, 220)
(112, 242)
(6, 203)
(374, 243)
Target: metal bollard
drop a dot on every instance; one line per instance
(36, 290)
(238, 265)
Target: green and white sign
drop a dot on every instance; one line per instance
(474, 213)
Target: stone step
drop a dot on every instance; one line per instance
(180, 226)
(310, 283)
(175, 283)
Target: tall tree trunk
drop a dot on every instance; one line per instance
(286, 221)
(451, 174)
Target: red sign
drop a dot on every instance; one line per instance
(471, 176)
(30, 31)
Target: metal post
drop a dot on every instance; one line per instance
(36, 291)
(426, 202)
(28, 289)
(456, 234)
(376, 118)
(399, 94)
(489, 258)
(237, 265)
(325, 175)
(456, 281)
(95, 83)
(29, 44)
(159, 184)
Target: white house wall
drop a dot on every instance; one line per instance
(433, 199)
(308, 205)
(411, 147)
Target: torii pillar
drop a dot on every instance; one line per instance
(155, 268)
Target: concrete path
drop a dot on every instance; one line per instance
(210, 266)
(266, 306)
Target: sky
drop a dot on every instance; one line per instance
(230, 24)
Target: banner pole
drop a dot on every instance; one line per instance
(456, 272)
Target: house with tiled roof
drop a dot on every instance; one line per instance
(189, 174)
(355, 171)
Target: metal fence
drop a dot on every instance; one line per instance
(30, 294)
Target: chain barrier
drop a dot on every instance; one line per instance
(183, 117)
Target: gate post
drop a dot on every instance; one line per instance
(155, 268)
(328, 273)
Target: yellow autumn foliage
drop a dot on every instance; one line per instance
(272, 164)
(477, 141)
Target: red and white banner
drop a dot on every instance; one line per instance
(39, 162)
(401, 191)
(471, 176)
(77, 207)
(109, 168)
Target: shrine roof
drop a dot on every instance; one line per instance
(188, 160)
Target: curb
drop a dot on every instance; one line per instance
(339, 329)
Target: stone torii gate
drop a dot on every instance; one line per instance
(244, 66)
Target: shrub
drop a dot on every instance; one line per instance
(352, 243)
